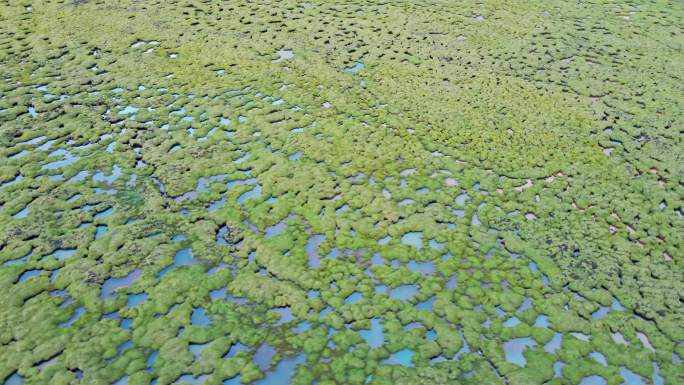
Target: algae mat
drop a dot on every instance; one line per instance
(353, 192)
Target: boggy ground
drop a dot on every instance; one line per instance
(273, 192)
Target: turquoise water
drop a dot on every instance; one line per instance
(121, 381)
(630, 377)
(514, 349)
(581, 336)
(151, 359)
(221, 236)
(412, 326)
(105, 213)
(425, 268)
(593, 380)
(136, 299)
(196, 349)
(600, 358)
(283, 371)
(23, 213)
(126, 323)
(54, 274)
(182, 258)
(542, 321)
(68, 159)
(235, 349)
(74, 317)
(278, 228)
(254, 193)
(242, 158)
(19, 260)
(358, 66)
(101, 177)
(100, 231)
(618, 338)
(436, 245)
(554, 344)
(465, 348)
(342, 209)
(302, 327)
(312, 250)
(558, 369)
(474, 220)
(112, 316)
(263, 356)
(511, 322)
(79, 177)
(404, 292)
(217, 204)
(462, 199)
(19, 154)
(373, 336)
(218, 294)
(16, 179)
(109, 286)
(61, 254)
(128, 110)
(430, 335)
(285, 315)
(426, 305)
(414, 238)
(452, 283)
(28, 274)
(122, 348)
(403, 357)
(241, 182)
(325, 311)
(14, 379)
(657, 379)
(284, 54)
(199, 317)
(600, 313)
(353, 298)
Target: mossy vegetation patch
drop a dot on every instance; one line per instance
(276, 192)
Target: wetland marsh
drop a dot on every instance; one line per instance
(341, 192)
